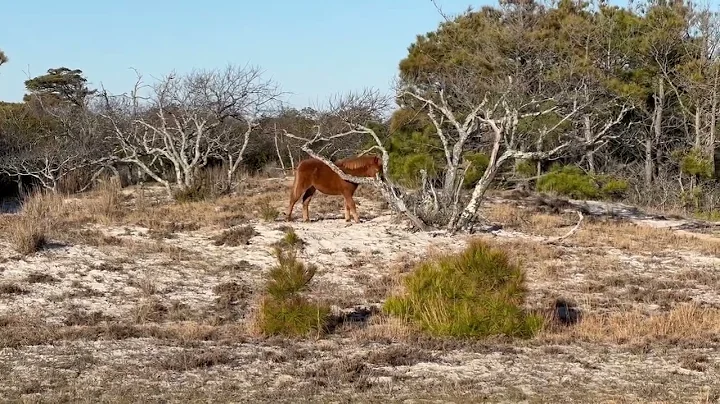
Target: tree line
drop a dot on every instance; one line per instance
(572, 93)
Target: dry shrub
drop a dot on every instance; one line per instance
(78, 316)
(91, 237)
(509, 216)
(209, 184)
(28, 235)
(236, 237)
(400, 355)
(686, 322)
(39, 277)
(478, 292)
(9, 288)
(150, 310)
(232, 300)
(74, 181)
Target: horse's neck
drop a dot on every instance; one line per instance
(355, 172)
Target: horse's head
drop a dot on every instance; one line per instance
(363, 166)
(375, 167)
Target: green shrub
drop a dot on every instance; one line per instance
(478, 164)
(474, 293)
(294, 316)
(573, 182)
(695, 163)
(525, 168)
(290, 240)
(267, 211)
(284, 311)
(613, 187)
(570, 181)
(412, 147)
(406, 168)
(290, 276)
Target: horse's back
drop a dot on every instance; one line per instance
(315, 172)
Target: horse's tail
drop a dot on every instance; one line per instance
(296, 181)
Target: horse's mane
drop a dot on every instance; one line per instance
(355, 163)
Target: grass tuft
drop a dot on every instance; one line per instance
(283, 310)
(290, 240)
(476, 293)
(267, 211)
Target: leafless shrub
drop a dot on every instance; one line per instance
(235, 237)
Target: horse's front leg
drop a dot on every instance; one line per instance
(347, 212)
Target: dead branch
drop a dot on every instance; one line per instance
(556, 240)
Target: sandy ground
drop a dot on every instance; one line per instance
(150, 285)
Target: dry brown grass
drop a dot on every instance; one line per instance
(637, 238)
(384, 329)
(26, 330)
(104, 204)
(45, 215)
(11, 288)
(513, 217)
(598, 233)
(30, 230)
(28, 235)
(687, 322)
(188, 359)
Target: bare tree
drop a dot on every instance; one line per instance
(500, 119)
(49, 141)
(186, 120)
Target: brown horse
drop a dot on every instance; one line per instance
(313, 174)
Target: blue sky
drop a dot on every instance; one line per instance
(312, 48)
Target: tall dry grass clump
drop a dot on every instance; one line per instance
(686, 322)
(39, 211)
(284, 310)
(476, 293)
(107, 199)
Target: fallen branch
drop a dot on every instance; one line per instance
(555, 240)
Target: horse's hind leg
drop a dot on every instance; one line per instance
(307, 196)
(350, 203)
(347, 212)
(295, 195)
